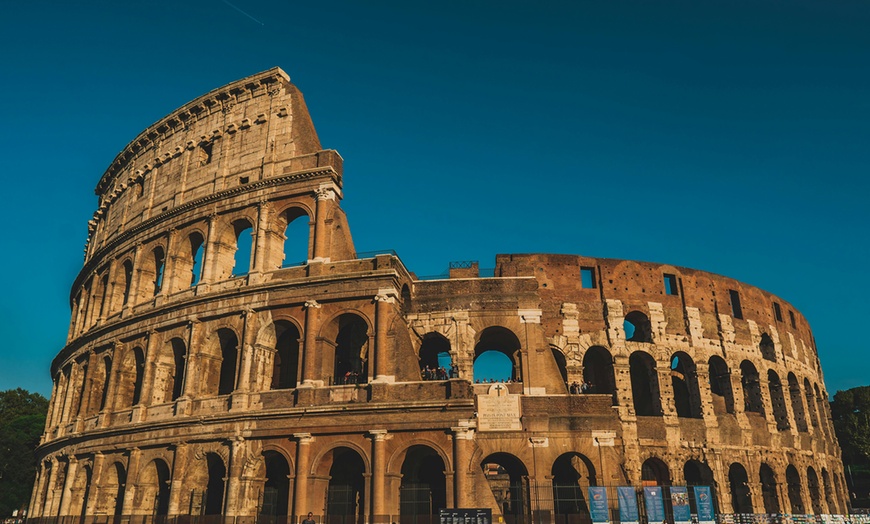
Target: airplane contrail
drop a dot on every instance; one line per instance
(244, 13)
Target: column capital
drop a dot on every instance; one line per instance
(327, 191)
(379, 435)
(303, 438)
(462, 433)
(529, 316)
(311, 304)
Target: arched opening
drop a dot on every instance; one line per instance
(508, 480)
(815, 492)
(637, 327)
(345, 496)
(793, 481)
(572, 474)
(229, 343)
(768, 350)
(811, 404)
(152, 489)
(432, 351)
(104, 293)
(138, 374)
(105, 376)
(295, 249)
(113, 486)
(351, 350)
(829, 492)
(81, 491)
(561, 363)
(769, 493)
(276, 490)
(500, 340)
(179, 356)
(720, 385)
(684, 380)
(598, 371)
(644, 385)
(159, 257)
(699, 473)
(797, 403)
(752, 400)
(214, 492)
(244, 244)
(197, 248)
(423, 492)
(128, 281)
(285, 367)
(738, 481)
(654, 472)
(777, 400)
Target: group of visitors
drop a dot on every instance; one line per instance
(439, 373)
(492, 381)
(576, 388)
(351, 377)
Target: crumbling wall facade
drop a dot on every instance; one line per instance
(204, 373)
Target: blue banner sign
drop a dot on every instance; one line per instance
(704, 501)
(680, 505)
(655, 507)
(627, 505)
(598, 504)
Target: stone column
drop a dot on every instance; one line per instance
(210, 256)
(179, 465)
(462, 437)
(303, 452)
(111, 385)
(234, 476)
(384, 301)
(133, 294)
(151, 353)
(66, 495)
(379, 468)
(132, 481)
(36, 492)
(260, 239)
(95, 484)
(323, 196)
(309, 348)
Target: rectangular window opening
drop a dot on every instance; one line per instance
(736, 310)
(777, 312)
(587, 277)
(671, 285)
(791, 318)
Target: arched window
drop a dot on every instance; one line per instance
(815, 492)
(572, 473)
(159, 261)
(214, 493)
(637, 327)
(598, 371)
(350, 361)
(423, 491)
(644, 385)
(106, 377)
(654, 470)
(295, 249)
(769, 491)
(741, 498)
(229, 358)
(768, 351)
(434, 354)
(684, 379)
(777, 400)
(172, 369)
(797, 403)
(811, 405)
(508, 480)
(720, 385)
(793, 481)
(244, 245)
(276, 490)
(152, 489)
(128, 281)
(345, 493)
(752, 399)
(197, 249)
(285, 368)
(497, 356)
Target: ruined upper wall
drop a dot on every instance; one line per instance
(245, 131)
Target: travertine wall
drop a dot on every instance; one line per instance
(193, 382)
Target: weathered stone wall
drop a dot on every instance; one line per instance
(189, 384)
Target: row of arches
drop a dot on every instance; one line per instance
(209, 251)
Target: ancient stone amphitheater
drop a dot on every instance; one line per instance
(230, 354)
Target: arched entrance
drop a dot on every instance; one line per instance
(508, 479)
(345, 495)
(598, 371)
(769, 492)
(423, 492)
(572, 474)
(494, 340)
(276, 489)
(644, 385)
(738, 481)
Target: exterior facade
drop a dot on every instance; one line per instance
(230, 353)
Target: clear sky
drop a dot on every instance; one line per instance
(729, 136)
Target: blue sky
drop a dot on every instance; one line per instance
(730, 136)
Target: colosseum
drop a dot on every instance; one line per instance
(230, 354)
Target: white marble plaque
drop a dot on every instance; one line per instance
(498, 410)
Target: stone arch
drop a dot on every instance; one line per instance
(793, 483)
(224, 251)
(286, 343)
(346, 488)
(752, 399)
(738, 483)
(698, 473)
(561, 363)
(434, 345)
(829, 492)
(169, 371)
(131, 374)
(654, 470)
(276, 488)
(151, 272)
(423, 488)
(767, 348)
(229, 355)
(821, 404)
(638, 327)
(572, 474)
(720, 385)
(797, 403)
(152, 489)
(189, 260)
(815, 492)
(80, 490)
(243, 254)
(347, 339)
(508, 480)
(206, 480)
(323, 461)
(777, 401)
(769, 489)
(644, 384)
(598, 371)
(126, 281)
(110, 498)
(501, 340)
(296, 235)
(811, 405)
(684, 380)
